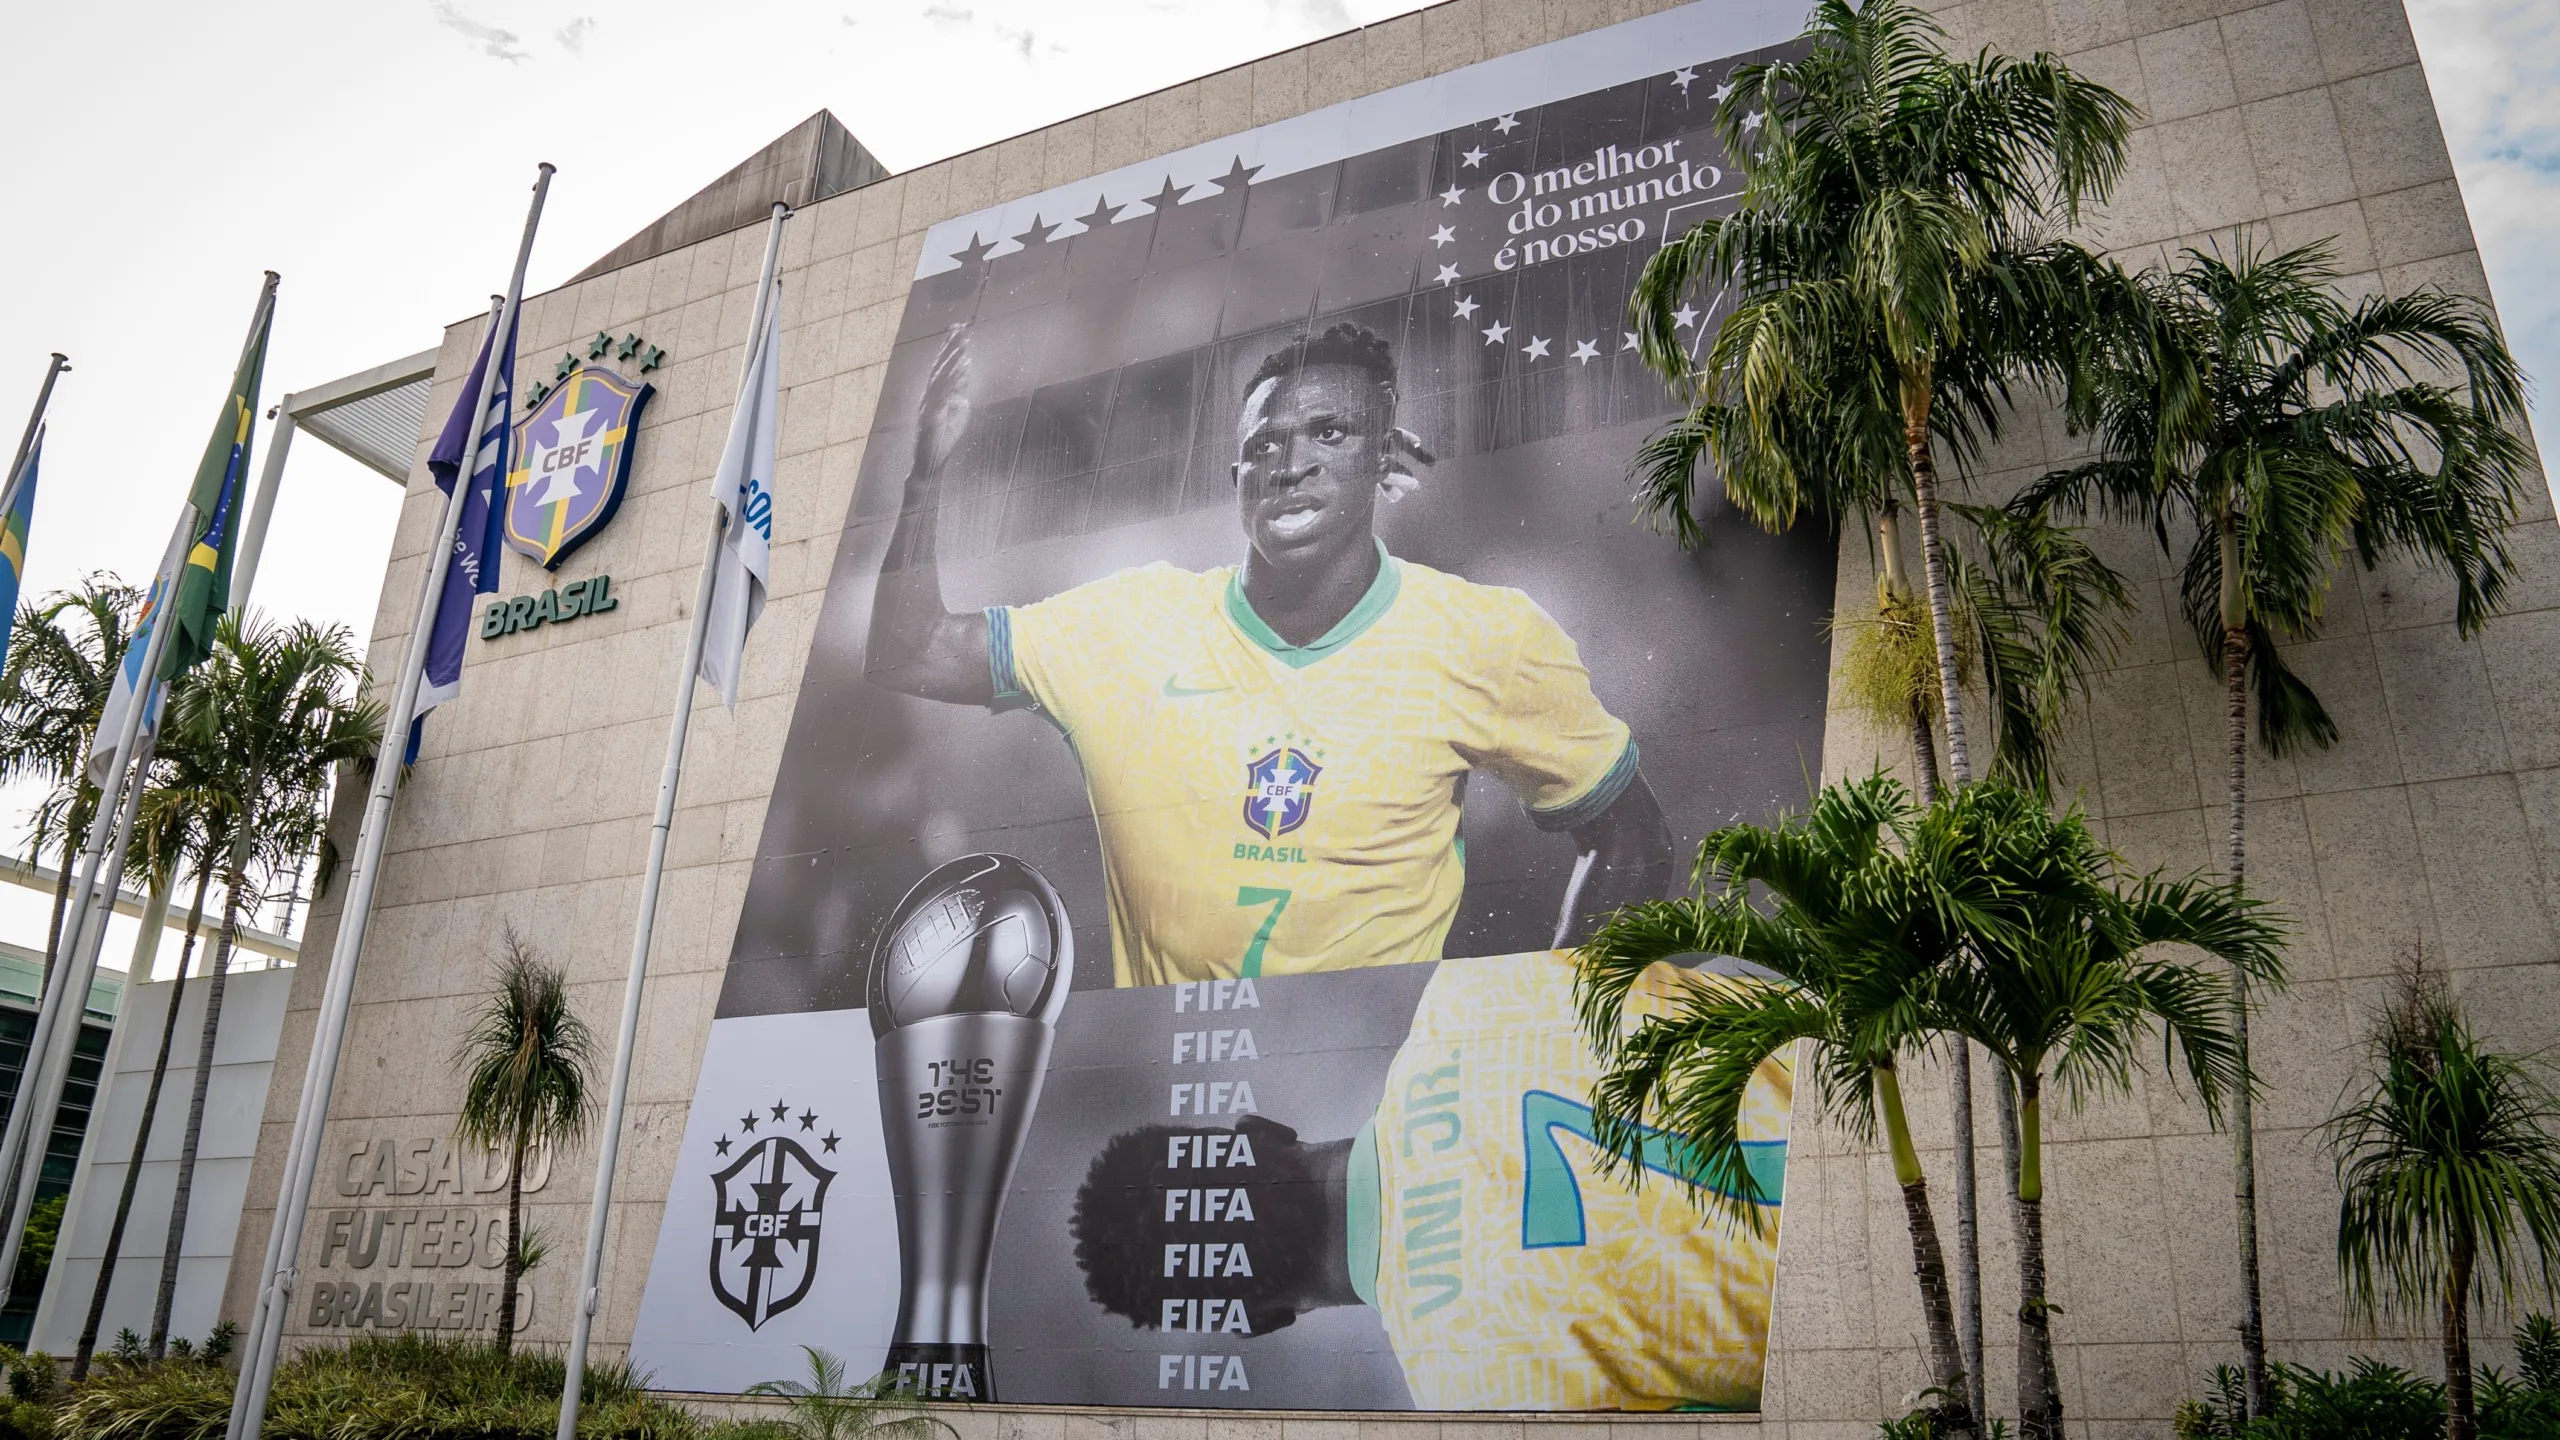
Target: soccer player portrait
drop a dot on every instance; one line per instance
(1470, 1212)
(1277, 751)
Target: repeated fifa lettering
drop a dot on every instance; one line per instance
(1207, 1260)
(1209, 1205)
(1216, 1150)
(1201, 1372)
(1189, 995)
(1205, 1317)
(1214, 1097)
(1212, 1045)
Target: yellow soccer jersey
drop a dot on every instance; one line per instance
(1267, 809)
(1509, 1273)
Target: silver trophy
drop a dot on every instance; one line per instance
(965, 987)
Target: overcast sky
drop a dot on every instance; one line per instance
(158, 157)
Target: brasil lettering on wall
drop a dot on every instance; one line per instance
(532, 612)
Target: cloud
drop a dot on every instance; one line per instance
(573, 36)
(501, 44)
(948, 14)
(1323, 16)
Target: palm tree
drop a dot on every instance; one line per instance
(1857, 928)
(2065, 982)
(182, 823)
(1883, 282)
(275, 709)
(62, 667)
(2449, 1168)
(829, 1406)
(2274, 426)
(525, 1063)
(1884, 259)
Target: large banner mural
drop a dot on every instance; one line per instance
(1241, 682)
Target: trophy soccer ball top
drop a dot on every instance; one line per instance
(965, 987)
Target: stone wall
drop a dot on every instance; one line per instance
(2434, 819)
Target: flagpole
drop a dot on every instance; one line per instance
(35, 421)
(305, 1129)
(600, 1208)
(284, 1238)
(25, 1157)
(253, 538)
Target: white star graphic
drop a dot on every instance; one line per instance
(1723, 93)
(1586, 352)
(1684, 317)
(1473, 157)
(1466, 307)
(1683, 76)
(560, 486)
(1448, 276)
(1444, 236)
(1493, 333)
(1506, 125)
(1452, 195)
(1630, 342)
(1536, 349)
(1752, 121)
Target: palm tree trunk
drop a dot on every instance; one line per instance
(141, 1138)
(1928, 1260)
(2244, 1137)
(510, 1286)
(2039, 1389)
(1924, 762)
(233, 880)
(1933, 569)
(2461, 1422)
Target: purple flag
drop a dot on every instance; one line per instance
(471, 571)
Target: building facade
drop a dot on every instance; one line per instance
(2431, 823)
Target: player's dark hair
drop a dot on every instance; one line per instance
(1120, 1230)
(1342, 344)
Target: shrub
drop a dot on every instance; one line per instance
(403, 1387)
(2374, 1401)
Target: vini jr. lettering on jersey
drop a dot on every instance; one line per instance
(1279, 792)
(1433, 1214)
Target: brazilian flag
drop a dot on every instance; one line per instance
(204, 581)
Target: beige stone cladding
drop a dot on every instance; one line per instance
(2436, 818)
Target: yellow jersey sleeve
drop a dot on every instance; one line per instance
(1543, 730)
(1509, 1271)
(1060, 655)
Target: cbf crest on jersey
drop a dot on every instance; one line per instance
(1279, 791)
(765, 1216)
(572, 459)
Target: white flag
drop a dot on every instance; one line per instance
(129, 676)
(744, 484)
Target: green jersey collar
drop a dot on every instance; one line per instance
(1381, 595)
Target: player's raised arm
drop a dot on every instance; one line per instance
(917, 646)
(1623, 856)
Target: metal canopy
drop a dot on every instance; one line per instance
(374, 417)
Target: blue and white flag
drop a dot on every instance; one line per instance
(744, 484)
(129, 676)
(471, 571)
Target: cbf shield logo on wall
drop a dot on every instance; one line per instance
(573, 457)
(765, 1218)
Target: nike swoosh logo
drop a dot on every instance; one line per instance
(1174, 691)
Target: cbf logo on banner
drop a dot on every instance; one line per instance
(572, 459)
(764, 1233)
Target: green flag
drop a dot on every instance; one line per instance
(204, 581)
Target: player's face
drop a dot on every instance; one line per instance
(1308, 457)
